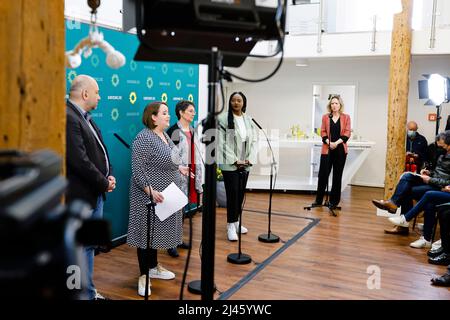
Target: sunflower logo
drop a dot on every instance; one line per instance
(133, 65)
(191, 98)
(115, 80)
(164, 97)
(164, 68)
(95, 60)
(191, 72)
(133, 97)
(71, 75)
(115, 114)
(178, 84)
(149, 82)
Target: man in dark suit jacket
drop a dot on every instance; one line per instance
(87, 160)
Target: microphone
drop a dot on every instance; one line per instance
(330, 115)
(257, 124)
(121, 140)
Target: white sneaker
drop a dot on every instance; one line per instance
(231, 232)
(159, 272)
(141, 286)
(399, 221)
(98, 296)
(244, 230)
(421, 243)
(436, 245)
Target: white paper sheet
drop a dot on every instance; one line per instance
(174, 200)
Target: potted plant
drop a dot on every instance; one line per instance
(221, 194)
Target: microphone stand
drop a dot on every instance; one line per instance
(150, 209)
(327, 204)
(269, 237)
(240, 258)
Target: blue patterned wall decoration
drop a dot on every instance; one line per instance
(124, 94)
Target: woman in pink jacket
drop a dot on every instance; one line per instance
(335, 132)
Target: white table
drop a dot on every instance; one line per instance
(298, 163)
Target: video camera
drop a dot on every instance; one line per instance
(41, 239)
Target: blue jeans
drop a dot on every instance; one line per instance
(409, 188)
(97, 213)
(428, 203)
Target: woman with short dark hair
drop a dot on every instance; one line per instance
(188, 146)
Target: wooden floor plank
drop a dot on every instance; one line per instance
(329, 261)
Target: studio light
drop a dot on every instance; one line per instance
(95, 39)
(436, 89)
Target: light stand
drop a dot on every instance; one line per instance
(269, 237)
(207, 287)
(438, 118)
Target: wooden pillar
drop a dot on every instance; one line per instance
(398, 97)
(32, 75)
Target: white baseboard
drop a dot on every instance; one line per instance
(367, 184)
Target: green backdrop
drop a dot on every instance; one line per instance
(124, 94)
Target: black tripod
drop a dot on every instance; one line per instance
(327, 204)
(240, 258)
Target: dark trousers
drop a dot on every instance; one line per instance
(148, 259)
(335, 159)
(444, 223)
(235, 184)
(428, 203)
(409, 188)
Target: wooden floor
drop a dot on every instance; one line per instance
(320, 256)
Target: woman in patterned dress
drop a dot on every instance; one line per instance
(154, 167)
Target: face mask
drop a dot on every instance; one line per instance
(441, 150)
(411, 134)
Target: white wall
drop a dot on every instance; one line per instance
(286, 99)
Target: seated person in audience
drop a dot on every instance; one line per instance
(441, 256)
(416, 145)
(428, 203)
(433, 153)
(413, 186)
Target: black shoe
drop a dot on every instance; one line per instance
(436, 252)
(442, 281)
(316, 204)
(443, 259)
(184, 245)
(173, 252)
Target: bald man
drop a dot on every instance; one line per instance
(87, 160)
(416, 144)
